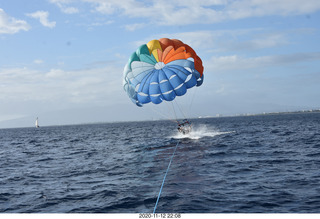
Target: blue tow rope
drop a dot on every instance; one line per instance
(164, 178)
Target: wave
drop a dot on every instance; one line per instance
(200, 131)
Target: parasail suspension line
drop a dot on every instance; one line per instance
(194, 91)
(164, 178)
(180, 109)
(175, 114)
(163, 115)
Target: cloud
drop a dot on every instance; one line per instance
(238, 63)
(38, 61)
(230, 41)
(43, 18)
(10, 25)
(160, 12)
(258, 8)
(69, 10)
(92, 25)
(133, 27)
(62, 87)
(184, 12)
(250, 39)
(62, 4)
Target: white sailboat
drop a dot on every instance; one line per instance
(37, 123)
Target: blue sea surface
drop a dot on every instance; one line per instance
(251, 164)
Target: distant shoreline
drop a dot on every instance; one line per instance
(191, 118)
(293, 112)
(260, 114)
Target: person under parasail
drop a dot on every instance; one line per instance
(184, 127)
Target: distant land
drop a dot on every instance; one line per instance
(292, 112)
(26, 122)
(264, 113)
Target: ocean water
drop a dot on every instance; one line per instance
(267, 164)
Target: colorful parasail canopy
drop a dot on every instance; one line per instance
(161, 70)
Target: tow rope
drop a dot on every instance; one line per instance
(164, 178)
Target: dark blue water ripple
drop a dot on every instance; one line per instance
(255, 164)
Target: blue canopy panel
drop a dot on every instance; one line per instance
(154, 89)
(165, 86)
(146, 84)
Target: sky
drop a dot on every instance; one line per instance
(63, 60)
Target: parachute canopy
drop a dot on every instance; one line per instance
(161, 70)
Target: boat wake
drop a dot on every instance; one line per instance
(200, 131)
